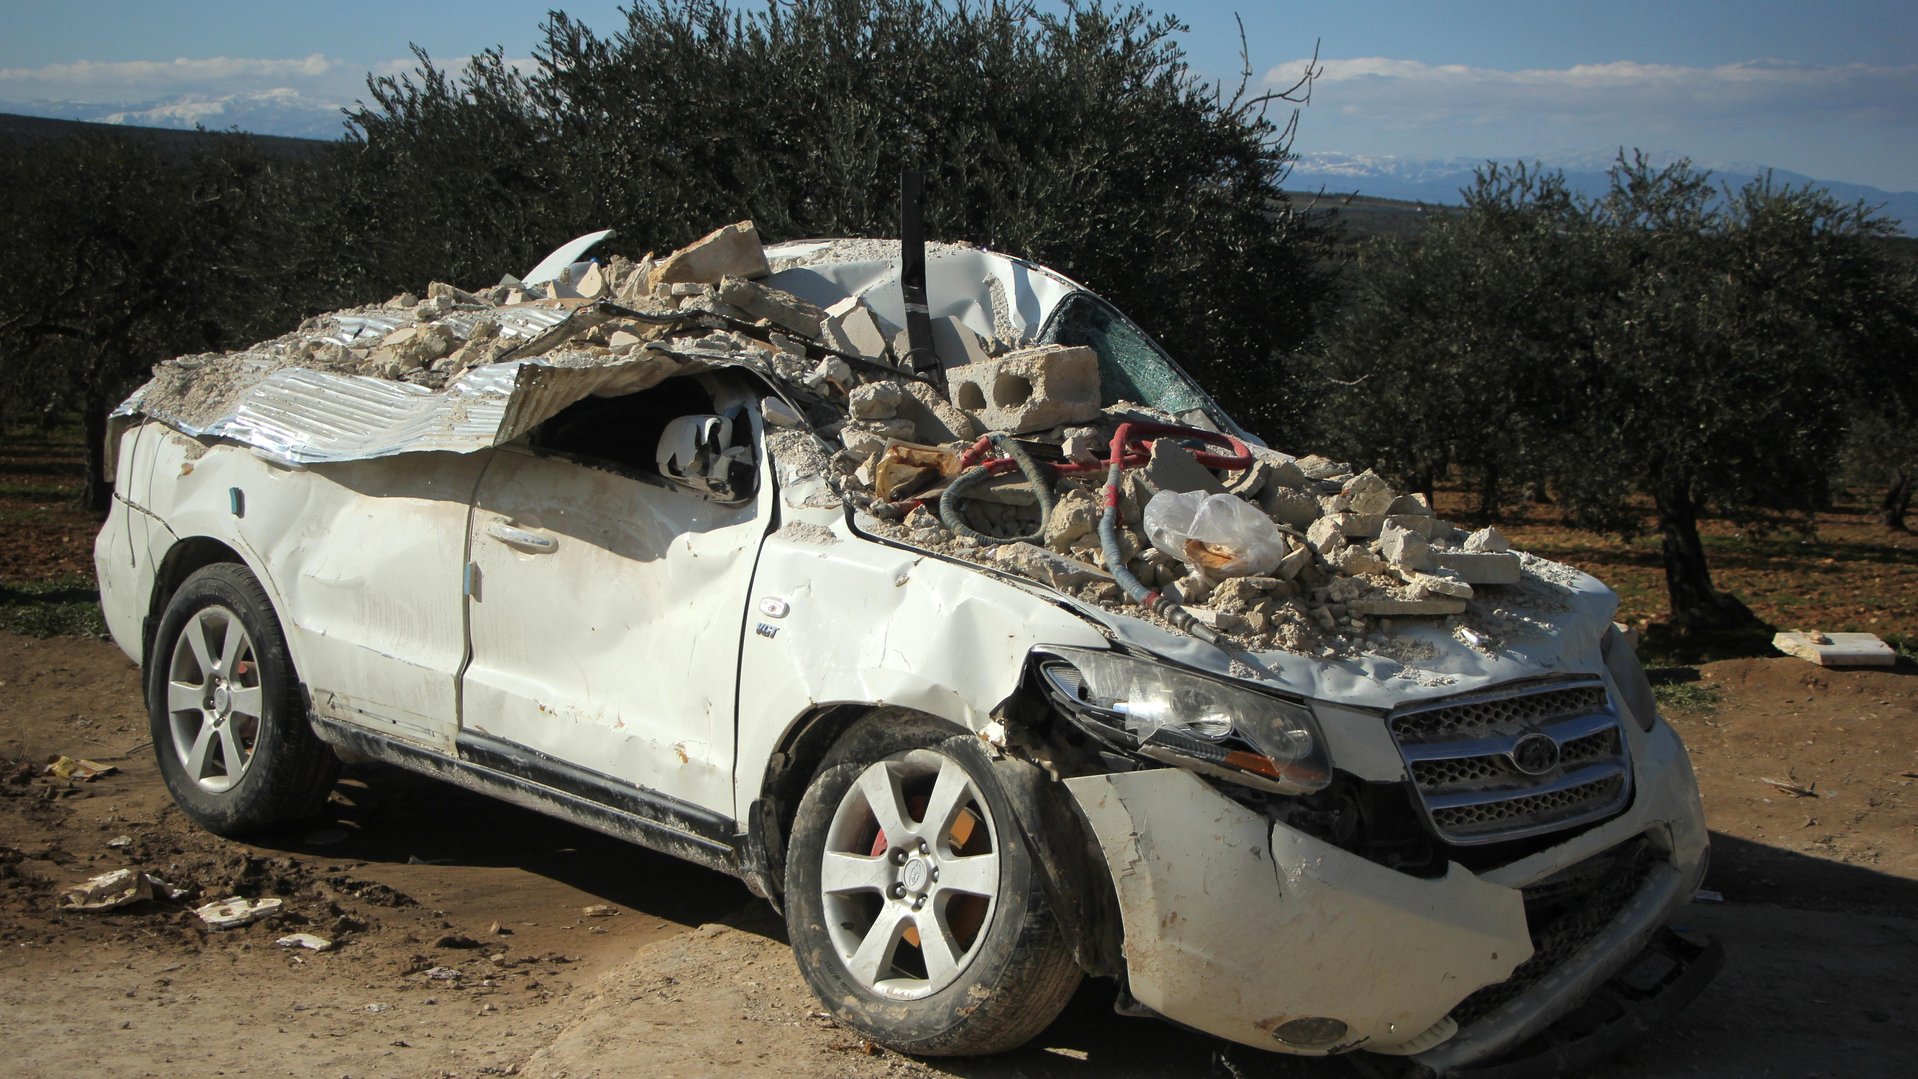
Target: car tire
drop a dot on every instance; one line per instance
(228, 718)
(973, 964)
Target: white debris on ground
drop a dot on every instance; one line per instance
(235, 911)
(1265, 550)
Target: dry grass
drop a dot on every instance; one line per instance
(1842, 572)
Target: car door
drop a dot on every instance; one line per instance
(370, 570)
(607, 604)
(363, 560)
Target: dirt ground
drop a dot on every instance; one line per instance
(473, 938)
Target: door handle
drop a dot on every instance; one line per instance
(522, 539)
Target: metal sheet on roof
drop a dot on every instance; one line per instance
(301, 416)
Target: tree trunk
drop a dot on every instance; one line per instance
(1488, 494)
(1422, 483)
(93, 422)
(1897, 501)
(1695, 604)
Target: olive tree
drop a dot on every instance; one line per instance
(1080, 139)
(1703, 348)
(125, 252)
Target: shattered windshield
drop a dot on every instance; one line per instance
(1131, 366)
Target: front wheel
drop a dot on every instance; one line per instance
(229, 723)
(914, 908)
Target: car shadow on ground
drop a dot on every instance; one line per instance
(382, 814)
(391, 816)
(1755, 874)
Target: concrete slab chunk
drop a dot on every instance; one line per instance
(1487, 539)
(1289, 506)
(1411, 505)
(777, 306)
(1481, 567)
(876, 400)
(1394, 606)
(1173, 468)
(1322, 468)
(1367, 493)
(1406, 550)
(1424, 524)
(1439, 583)
(734, 249)
(852, 327)
(1837, 649)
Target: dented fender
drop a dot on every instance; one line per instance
(1236, 926)
(930, 636)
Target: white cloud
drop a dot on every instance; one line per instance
(1860, 120)
(1405, 92)
(94, 80)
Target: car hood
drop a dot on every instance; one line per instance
(1550, 624)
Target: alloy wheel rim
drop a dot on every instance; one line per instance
(910, 876)
(214, 699)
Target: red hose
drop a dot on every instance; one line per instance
(1129, 454)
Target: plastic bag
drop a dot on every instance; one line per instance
(1219, 535)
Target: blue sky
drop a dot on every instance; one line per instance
(1830, 90)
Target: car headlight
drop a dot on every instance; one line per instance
(1629, 676)
(1190, 720)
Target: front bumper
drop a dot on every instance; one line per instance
(1238, 927)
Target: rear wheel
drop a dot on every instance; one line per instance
(229, 724)
(914, 908)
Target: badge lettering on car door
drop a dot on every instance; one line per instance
(765, 630)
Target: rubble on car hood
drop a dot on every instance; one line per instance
(1319, 560)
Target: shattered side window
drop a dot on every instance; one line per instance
(1131, 367)
(628, 433)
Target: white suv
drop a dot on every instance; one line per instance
(963, 787)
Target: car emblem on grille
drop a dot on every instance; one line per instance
(1535, 754)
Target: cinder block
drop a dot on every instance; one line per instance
(1029, 390)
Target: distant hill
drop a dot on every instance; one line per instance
(1438, 181)
(1365, 217)
(16, 130)
(277, 111)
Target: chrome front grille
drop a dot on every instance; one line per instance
(1515, 763)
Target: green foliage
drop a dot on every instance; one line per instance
(1709, 349)
(1699, 697)
(66, 606)
(124, 254)
(1080, 140)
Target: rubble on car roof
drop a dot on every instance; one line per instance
(1006, 467)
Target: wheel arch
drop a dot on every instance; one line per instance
(183, 559)
(806, 743)
(1075, 877)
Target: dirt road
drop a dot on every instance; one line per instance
(477, 939)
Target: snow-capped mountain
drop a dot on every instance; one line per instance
(263, 112)
(1438, 181)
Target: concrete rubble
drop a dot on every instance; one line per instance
(1344, 553)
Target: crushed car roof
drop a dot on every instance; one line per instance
(1000, 467)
